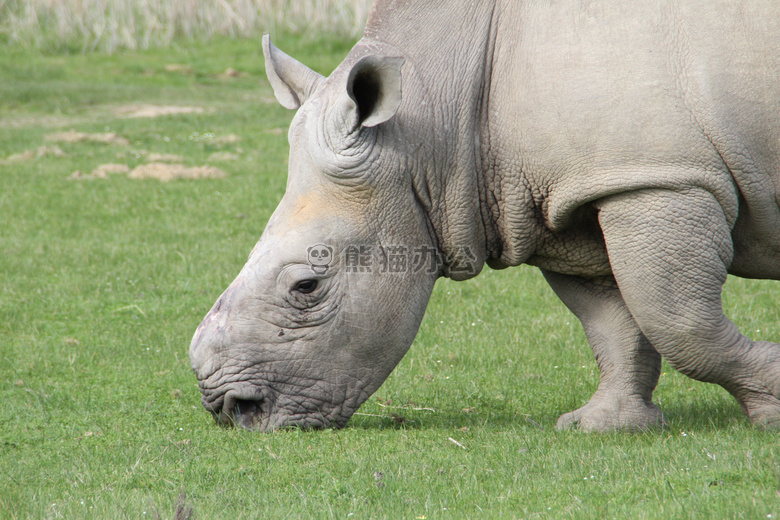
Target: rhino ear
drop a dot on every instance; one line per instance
(374, 86)
(292, 81)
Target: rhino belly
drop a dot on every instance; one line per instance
(577, 250)
(757, 246)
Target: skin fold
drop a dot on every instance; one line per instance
(631, 151)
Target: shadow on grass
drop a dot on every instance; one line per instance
(452, 420)
(703, 416)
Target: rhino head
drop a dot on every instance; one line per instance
(333, 294)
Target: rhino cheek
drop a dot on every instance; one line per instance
(385, 320)
(261, 367)
(260, 375)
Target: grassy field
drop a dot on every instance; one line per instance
(111, 25)
(103, 281)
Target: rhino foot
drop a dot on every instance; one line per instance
(759, 393)
(766, 417)
(604, 414)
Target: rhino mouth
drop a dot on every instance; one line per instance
(259, 413)
(236, 410)
(277, 405)
(264, 414)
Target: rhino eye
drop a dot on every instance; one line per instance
(306, 286)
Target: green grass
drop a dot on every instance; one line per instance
(113, 25)
(103, 282)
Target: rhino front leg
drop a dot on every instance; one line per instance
(628, 363)
(670, 252)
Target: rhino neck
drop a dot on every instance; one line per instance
(478, 209)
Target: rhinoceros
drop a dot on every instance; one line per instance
(629, 150)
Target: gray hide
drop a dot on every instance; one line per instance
(630, 150)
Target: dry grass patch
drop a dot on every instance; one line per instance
(101, 172)
(150, 156)
(180, 68)
(168, 172)
(26, 120)
(110, 25)
(227, 139)
(135, 111)
(163, 157)
(72, 136)
(222, 156)
(230, 73)
(156, 170)
(28, 155)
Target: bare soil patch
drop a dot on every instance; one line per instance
(134, 111)
(227, 139)
(28, 155)
(101, 172)
(164, 157)
(156, 170)
(150, 156)
(168, 172)
(72, 136)
(222, 156)
(180, 68)
(25, 120)
(230, 73)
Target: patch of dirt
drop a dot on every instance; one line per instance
(227, 139)
(163, 157)
(105, 169)
(135, 111)
(73, 136)
(28, 155)
(180, 68)
(21, 121)
(222, 156)
(167, 172)
(230, 73)
(155, 170)
(101, 172)
(54, 151)
(149, 156)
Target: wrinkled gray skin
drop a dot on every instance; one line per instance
(630, 150)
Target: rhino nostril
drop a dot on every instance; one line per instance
(243, 407)
(247, 413)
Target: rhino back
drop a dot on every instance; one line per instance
(600, 98)
(570, 102)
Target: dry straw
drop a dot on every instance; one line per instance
(110, 25)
